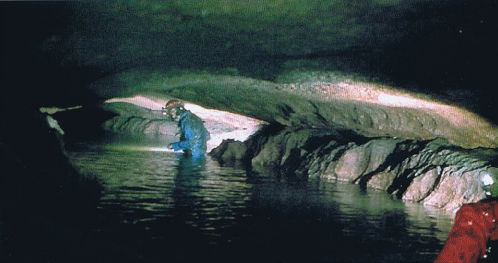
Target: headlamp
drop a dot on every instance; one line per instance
(489, 182)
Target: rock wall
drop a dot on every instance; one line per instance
(433, 172)
(135, 121)
(35, 167)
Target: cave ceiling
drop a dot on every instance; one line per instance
(76, 53)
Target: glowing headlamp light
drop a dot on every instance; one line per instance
(489, 181)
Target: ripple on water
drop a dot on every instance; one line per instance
(223, 212)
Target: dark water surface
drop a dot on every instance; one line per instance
(161, 207)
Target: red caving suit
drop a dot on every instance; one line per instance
(475, 224)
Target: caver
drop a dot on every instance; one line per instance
(475, 226)
(193, 133)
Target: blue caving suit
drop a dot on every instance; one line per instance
(193, 135)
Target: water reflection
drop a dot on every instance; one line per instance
(190, 166)
(187, 193)
(176, 205)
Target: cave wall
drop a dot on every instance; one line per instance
(35, 167)
(432, 172)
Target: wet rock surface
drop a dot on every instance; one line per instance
(433, 172)
(231, 153)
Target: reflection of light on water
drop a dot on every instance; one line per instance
(430, 220)
(152, 191)
(377, 206)
(140, 148)
(142, 178)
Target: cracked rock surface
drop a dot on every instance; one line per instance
(432, 172)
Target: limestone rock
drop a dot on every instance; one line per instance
(422, 185)
(291, 146)
(368, 109)
(230, 152)
(364, 159)
(435, 172)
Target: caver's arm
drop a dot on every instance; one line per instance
(475, 225)
(181, 145)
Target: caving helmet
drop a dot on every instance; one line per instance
(173, 108)
(489, 182)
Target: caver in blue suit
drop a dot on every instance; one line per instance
(193, 134)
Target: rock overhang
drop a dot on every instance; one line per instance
(369, 109)
(411, 145)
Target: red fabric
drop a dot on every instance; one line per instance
(475, 224)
